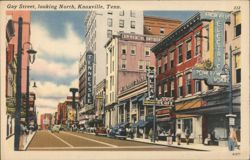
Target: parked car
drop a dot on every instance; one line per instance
(117, 132)
(55, 128)
(100, 131)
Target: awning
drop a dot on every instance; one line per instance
(190, 104)
(140, 123)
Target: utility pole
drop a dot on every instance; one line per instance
(18, 85)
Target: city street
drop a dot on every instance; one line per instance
(45, 140)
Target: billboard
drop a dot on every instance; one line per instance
(89, 74)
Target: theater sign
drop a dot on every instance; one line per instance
(89, 61)
(212, 69)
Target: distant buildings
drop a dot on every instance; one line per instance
(45, 120)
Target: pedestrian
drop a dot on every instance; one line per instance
(169, 137)
(187, 135)
(150, 134)
(232, 139)
(131, 132)
(178, 135)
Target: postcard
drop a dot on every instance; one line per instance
(124, 80)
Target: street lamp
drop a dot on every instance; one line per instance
(31, 59)
(230, 115)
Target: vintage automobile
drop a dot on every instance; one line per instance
(100, 131)
(117, 132)
(55, 128)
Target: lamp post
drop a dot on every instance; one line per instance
(18, 85)
(31, 60)
(74, 90)
(230, 115)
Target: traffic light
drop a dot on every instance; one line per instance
(151, 82)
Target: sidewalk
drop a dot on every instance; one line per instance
(10, 141)
(192, 146)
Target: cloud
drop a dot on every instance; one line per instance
(68, 47)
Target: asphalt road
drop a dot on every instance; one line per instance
(45, 140)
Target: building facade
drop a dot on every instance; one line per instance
(198, 106)
(127, 56)
(159, 26)
(46, 121)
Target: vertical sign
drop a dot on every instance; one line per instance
(213, 76)
(89, 72)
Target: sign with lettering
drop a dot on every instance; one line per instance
(89, 77)
(214, 76)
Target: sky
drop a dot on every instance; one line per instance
(58, 37)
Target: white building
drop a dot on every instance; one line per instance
(100, 26)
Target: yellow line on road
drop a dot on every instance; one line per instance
(62, 140)
(111, 145)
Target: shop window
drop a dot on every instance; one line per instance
(188, 49)
(187, 123)
(237, 24)
(188, 84)
(180, 88)
(197, 85)
(179, 50)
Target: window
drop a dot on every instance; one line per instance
(123, 64)
(107, 70)
(165, 89)
(121, 23)
(172, 59)
(132, 24)
(237, 24)
(124, 51)
(225, 36)
(147, 51)
(107, 59)
(207, 30)
(111, 82)
(188, 84)
(165, 63)
(197, 85)
(172, 89)
(197, 43)
(149, 28)
(133, 50)
(159, 65)
(188, 48)
(110, 22)
(132, 13)
(110, 12)
(162, 30)
(121, 13)
(179, 54)
(237, 67)
(159, 90)
(140, 65)
(147, 64)
(113, 66)
(187, 123)
(109, 33)
(180, 88)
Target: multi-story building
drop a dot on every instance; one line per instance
(199, 106)
(159, 26)
(127, 56)
(11, 21)
(61, 113)
(99, 99)
(100, 26)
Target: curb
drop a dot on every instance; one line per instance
(168, 145)
(25, 148)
